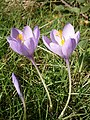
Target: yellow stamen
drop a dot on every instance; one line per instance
(20, 37)
(59, 34)
(62, 42)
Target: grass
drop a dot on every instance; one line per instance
(52, 67)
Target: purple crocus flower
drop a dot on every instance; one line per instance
(18, 89)
(63, 42)
(17, 85)
(24, 42)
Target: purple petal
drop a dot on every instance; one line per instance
(30, 46)
(68, 31)
(56, 49)
(9, 39)
(18, 47)
(52, 33)
(27, 32)
(15, 45)
(46, 41)
(77, 37)
(15, 32)
(25, 50)
(68, 47)
(16, 84)
(54, 37)
(36, 33)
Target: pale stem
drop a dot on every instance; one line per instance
(24, 105)
(33, 62)
(62, 113)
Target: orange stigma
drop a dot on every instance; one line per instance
(20, 37)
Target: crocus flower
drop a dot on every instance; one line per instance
(18, 89)
(24, 42)
(62, 42)
(16, 84)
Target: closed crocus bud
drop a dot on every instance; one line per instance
(62, 42)
(16, 84)
(18, 89)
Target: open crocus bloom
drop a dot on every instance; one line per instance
(24, 42)
(63, 42)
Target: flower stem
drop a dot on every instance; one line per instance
(62, 113)
(33, 62)
(24, 105)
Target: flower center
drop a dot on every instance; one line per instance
(20, 37)
(59, 34)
